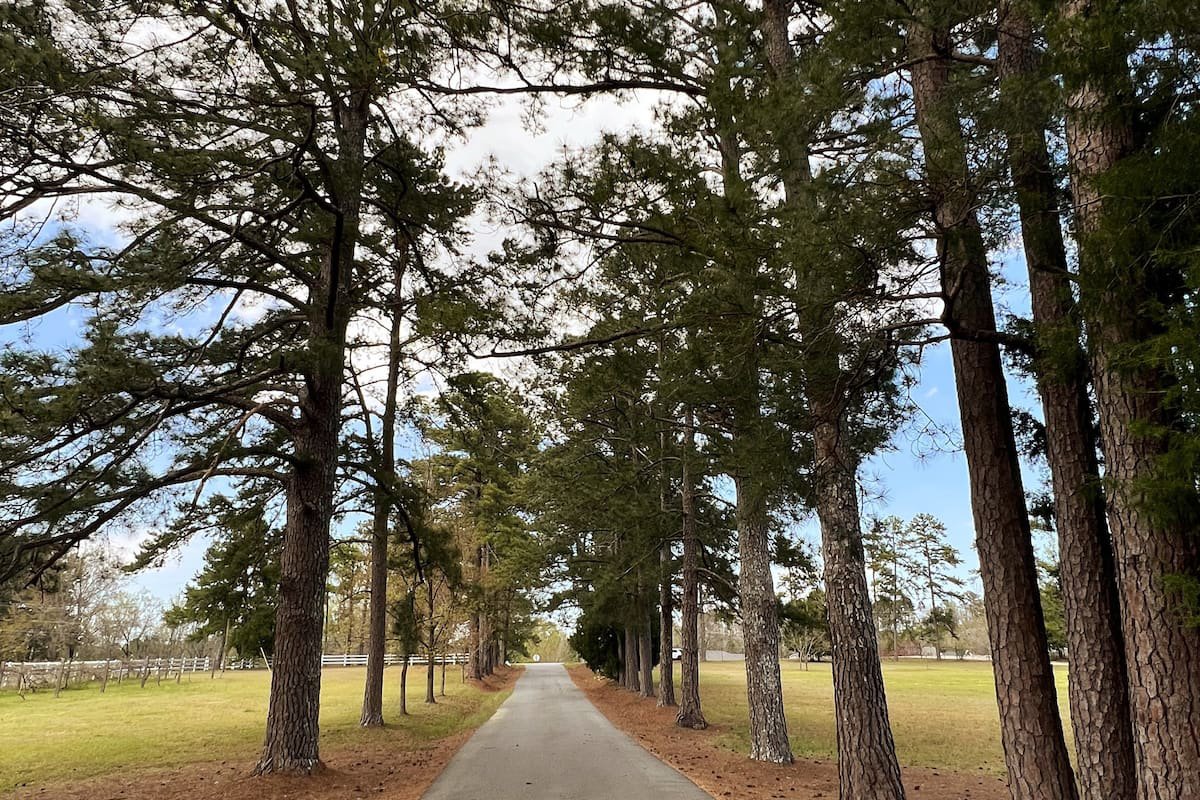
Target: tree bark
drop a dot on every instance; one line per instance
(431, 639)
(690, 714)
(1161, 651)
(372, 708)
(292, 736)
(756, 586)
(1098, 690)
(1031, 728)
(475, 657)
(292, 726)
(666, 636)
(666, 605)
(404, 686)
(646, 659)
(760, 628)
(633, 668)
(867, 764)
(622, 662)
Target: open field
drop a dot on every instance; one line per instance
(84, 733)
(943, 713)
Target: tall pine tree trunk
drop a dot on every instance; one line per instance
(633, 668)
(760, 626)
(404, 686)
(1098, 691)
(666, 606)
(372, 708)
(430, 640)
(666, 640)
(690, 714)
(1031, 728)
(756, 585)
(646, 658)
(867, 764)
(622, 662)
(475, 659)
(1161, 651)
(293, 731)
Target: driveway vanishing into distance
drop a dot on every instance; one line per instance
(547, 742)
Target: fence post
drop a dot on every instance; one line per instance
(104, 680)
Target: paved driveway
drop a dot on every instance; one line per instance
(547, 742)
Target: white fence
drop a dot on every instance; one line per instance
(355, 660)
(34, 675)
(57, 675)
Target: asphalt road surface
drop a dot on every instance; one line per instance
(547, 742)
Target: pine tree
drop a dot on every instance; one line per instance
(296, 219)
(1098, 688)
(232, 594)
(1129, 158)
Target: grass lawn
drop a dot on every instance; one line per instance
(943, 713)
(84, 733)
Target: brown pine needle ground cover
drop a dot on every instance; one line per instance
(707, 758)
(200, 742)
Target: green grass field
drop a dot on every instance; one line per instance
(84, 733)
(943, 713)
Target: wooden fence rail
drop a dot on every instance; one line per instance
(32, 676)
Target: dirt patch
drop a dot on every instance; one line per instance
(503, 678)
(389, 771)
(724, 773)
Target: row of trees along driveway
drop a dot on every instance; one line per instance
(750, 281)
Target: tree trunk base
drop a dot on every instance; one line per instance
(279, 765)
(696, 722)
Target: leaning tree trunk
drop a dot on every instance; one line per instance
(1098, 690)
(1161, 651)
(292, 736)
(1031, 728)
(690, 714)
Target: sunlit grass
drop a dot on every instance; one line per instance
(84, 733)
(943, 714)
